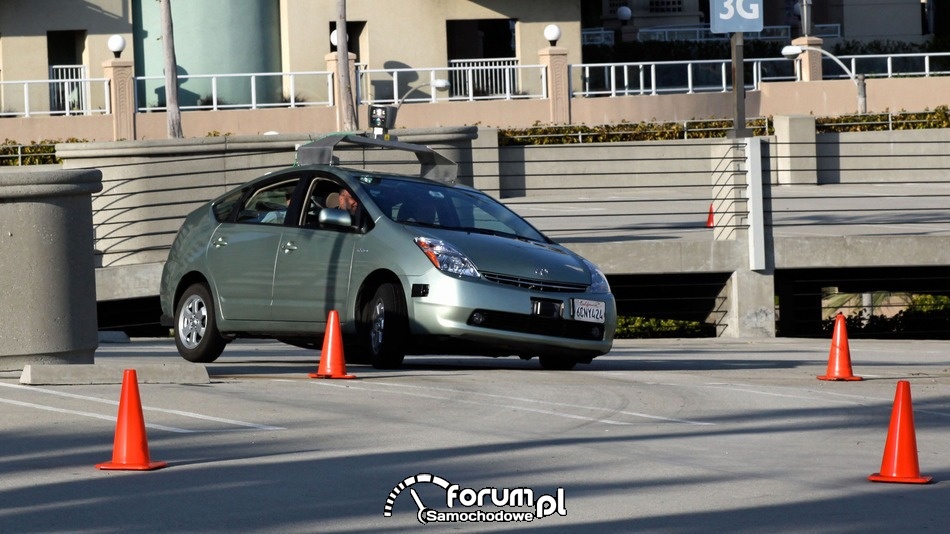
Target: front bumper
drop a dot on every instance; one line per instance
(465, 312)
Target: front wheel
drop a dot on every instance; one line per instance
(196, 328)
(385, 327)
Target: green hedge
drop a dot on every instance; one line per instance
(927, 317)
(699, 129)
(643, 327)
(36, 153)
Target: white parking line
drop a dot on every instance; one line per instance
(191, 415)
(521, 407)
(820, 396)
(89, 414)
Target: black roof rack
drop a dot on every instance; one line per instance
(434, 166)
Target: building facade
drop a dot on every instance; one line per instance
(53, 39)
(858, 20)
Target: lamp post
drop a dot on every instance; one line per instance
(116, 45)
(383, 118)
(794, 51)
(624, 14)
(552, 32)
(802, 8)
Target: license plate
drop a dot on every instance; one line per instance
(591, 311)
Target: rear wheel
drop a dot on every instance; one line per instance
(196, 329)
(385, 328)
(557, 363)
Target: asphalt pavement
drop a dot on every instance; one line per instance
(701, 435)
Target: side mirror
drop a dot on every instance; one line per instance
(335, 217)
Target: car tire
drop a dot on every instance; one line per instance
(196, 327)
(385, 327)
(557, 363)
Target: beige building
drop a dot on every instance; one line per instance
(858, 20)
(57, 39)
(254, 66)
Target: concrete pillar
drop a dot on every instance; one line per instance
(554, 58)
(796, 156)
(48, 298)
(332, 59)
(486, 164)
(810, 59)
(121, 77)
(745, 307)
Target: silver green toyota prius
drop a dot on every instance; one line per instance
(410, 265)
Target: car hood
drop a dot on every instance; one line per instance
(516, 257)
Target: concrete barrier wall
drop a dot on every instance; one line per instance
(917, 155)
(148, 187)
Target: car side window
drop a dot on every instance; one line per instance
(323, 194)
(224, 207)
(269, 204)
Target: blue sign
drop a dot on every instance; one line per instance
(731, 16)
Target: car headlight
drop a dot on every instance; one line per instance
(447, 258)
(598, 282)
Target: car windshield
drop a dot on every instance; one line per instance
(440, 206)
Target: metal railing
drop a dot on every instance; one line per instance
(597, 36)
(240, 91)
(701, 33)
(69, 89)
(12, 155)
(472, 82)
(484, 76)
(469, 81)
(34, 97)
(665, 77)
(660, 77)
(896, 65)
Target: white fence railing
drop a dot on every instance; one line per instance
(34, 97)
(667, 77)
(493, 79)
(239, 91)
(702, 33)
(663, 77)
(69, 89)
(472, 82)
(597, 36)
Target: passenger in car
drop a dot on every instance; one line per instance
(277, 216)
(346, 201)
(349, 203)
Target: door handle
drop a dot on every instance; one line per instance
(220, 242)
(289, 247)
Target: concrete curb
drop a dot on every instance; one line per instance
(80, 374)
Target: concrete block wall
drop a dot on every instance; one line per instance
(148, 188)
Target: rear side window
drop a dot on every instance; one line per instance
(223, 208)
(268, 205)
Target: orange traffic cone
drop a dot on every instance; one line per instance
(900, 449)
(710, 221)
(332, 362)
(130, 449)
(839, 358)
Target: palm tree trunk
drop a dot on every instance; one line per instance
(172, 110)
(343, 70)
